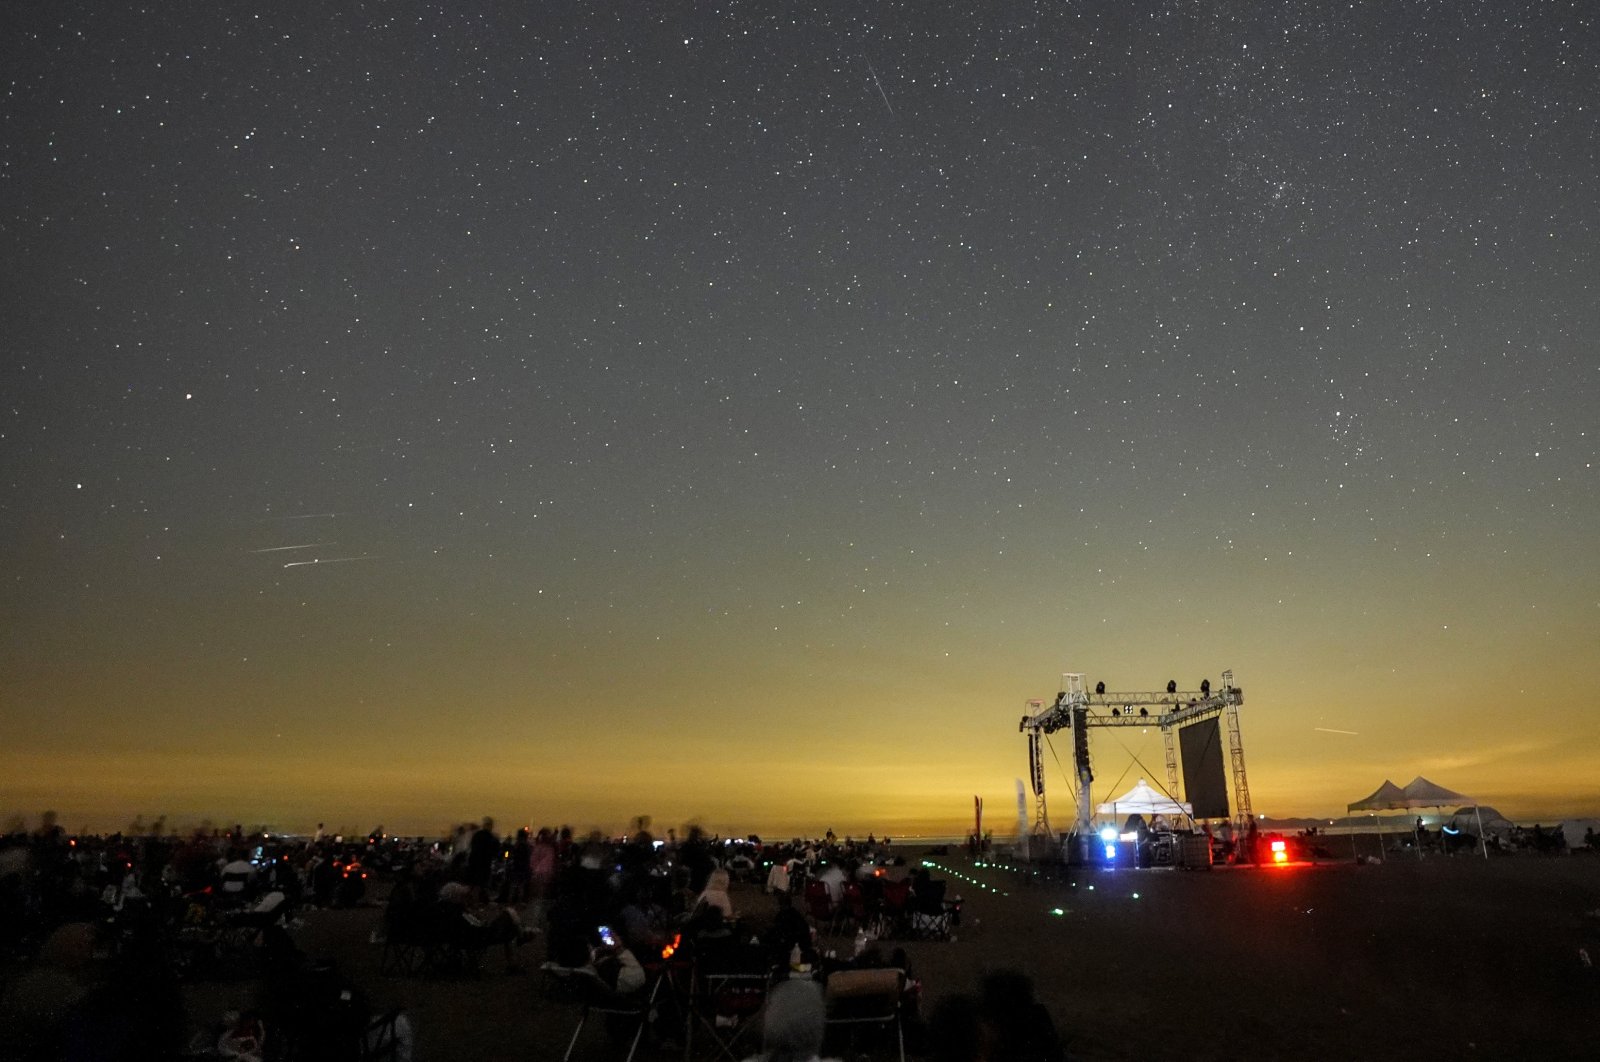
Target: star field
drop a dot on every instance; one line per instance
(443, 399)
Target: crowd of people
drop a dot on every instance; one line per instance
(646, 892)
(99, 933)
(629, 911)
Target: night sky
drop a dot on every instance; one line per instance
(736, 412)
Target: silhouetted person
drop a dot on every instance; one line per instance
(482, 851)
(1021, 1028)
(794, 1024)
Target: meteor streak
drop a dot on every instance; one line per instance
(879, 85)
(326, 560)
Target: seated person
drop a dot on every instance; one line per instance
(713, 944)
(927, 892)
(238, 876)
(1019, 1025)
(789, 931)
(403, 911)
(705, 926)
(615, 967)
(642, 923)
(477, 926)
(281, 876)
(833, 877)
(715, 894)
(268, 910)
(795, 1023)
(571, 926)
(778, 876)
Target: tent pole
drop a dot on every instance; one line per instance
(1482, 840)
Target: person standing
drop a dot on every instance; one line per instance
(483, 851)
(519, 869)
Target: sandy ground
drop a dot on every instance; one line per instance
(1442, 958)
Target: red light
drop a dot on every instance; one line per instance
(1280, 852)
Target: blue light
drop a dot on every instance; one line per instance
(1111, 852)
(1108, 834)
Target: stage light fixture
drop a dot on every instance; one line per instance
(1144, 712)
(1100, 687)
(1205, 687)
(1172, 685)
(1116, 712)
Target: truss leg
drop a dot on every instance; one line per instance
(1241, 786)
(1172, 763)
(1041, 817)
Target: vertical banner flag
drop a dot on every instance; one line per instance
(1022, 822)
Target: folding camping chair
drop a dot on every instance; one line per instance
(866, 997)
(894, 896)
(388, 1037)
(853, 909)
(726, 1001)
(327, 1016)
(819, 905)
(932, 917)
(581, 985)
(414, 944)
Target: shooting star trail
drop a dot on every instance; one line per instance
(1328, 730)
(310, 516)
(280, 549)
(879, 86)
(326, 560)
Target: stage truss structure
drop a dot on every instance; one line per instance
(1078, 710)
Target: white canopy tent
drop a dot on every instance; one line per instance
(1385, 797)
(1143, 800)
(1418, 793)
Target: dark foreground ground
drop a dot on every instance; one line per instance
(1443, 958)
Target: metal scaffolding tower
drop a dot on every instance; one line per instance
(1077, 710)
(1242, 813)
